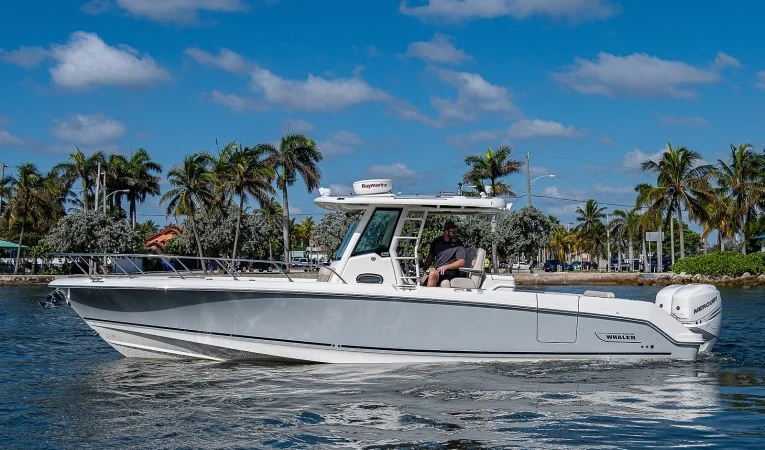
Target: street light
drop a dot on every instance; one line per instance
(112, 193)
(549, 175)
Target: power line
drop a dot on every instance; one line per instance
(585, 201)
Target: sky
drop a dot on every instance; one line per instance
(388, 88)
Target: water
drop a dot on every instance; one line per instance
(62, 387)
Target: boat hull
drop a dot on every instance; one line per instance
(347, 327)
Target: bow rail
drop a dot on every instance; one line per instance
(100, 265)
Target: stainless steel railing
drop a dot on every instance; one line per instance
(98, 265)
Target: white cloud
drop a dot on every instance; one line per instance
(297, 126)
(518, 131)
(438, 50)
(398, 172)
(535, 128)
(539, 170)
(340, 143)
(86, 61)
(634, 158)
(407, 111)
(25, 56)
(476, 137)
(682, 120)
(315, 93)
(84, 129)
(182, 12)
(96, 7)
(605, 140)
(475, 96)
(463, 10)
(723, 60)
(295, 210)
(225, 59)
(8, 140)
(600, 188)
(551, 191)
(761, 79)
(640, 75)
(235, 102)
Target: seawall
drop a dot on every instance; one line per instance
(523, 279)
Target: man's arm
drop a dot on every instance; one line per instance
(461, 256)
(456, 264)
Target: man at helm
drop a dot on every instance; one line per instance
(447, 254)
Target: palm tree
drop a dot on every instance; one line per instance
(26, 187)
(248, 174)
(720, 216)
(141, 182)
(116, 179)
(296, 155)
(273, 214)
(590, 228)
(681, 184)
(491, 166)
(561, 241)
(83, 167)
(625, 226)
(192, 182)
(741, 181)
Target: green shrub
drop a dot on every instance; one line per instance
(718, 264)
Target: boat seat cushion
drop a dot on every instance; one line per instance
(475, 260)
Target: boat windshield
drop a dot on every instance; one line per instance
(341, 250)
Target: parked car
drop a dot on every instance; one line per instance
(521, 266)
(553, 265)
(665, 264)
(252, 266)
(304, 264)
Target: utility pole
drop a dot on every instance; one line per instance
(2, 184)
(104, 192)
(98, 186)
(528, 178)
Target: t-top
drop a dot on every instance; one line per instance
(447, 252)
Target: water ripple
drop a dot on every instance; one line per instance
(65, 388)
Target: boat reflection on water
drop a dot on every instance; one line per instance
(399, 405)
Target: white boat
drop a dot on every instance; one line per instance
(368, 306)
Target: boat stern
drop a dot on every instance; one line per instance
(698, 307)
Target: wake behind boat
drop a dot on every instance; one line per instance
(369, 306)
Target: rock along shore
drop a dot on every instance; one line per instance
(631, 279)
(523, 279)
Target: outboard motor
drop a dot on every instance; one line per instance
(697, 306)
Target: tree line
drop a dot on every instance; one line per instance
(211, 193)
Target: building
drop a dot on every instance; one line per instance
(157, 242)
